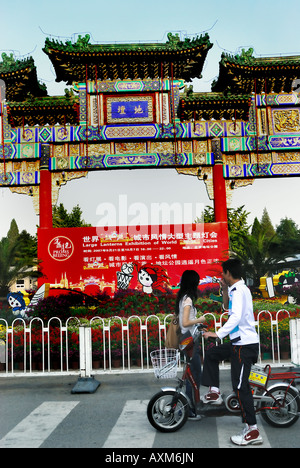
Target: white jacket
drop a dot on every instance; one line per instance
(240, 325)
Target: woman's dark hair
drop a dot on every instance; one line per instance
(188, 286)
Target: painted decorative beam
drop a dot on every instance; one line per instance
(109, 161)
(19, 178)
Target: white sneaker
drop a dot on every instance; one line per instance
(248, 436)
(214, 398)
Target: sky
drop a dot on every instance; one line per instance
(271, 28)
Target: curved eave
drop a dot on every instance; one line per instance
(261, 62)
(170, 46)
(189, 60)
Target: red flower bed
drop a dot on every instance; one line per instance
(133, 340)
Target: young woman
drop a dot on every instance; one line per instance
(187, 314)
(242, 349)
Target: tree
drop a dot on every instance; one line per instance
(12, 265)
(266, 225)
(260, 255)
(238, 228)
(287, 229)
(237, 225)
(18, 257)
(13, 232)
(263, 249)
(288, 237)
(255, 227)
(61, 218)
(27, 246)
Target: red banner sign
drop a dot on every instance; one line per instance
(148, 258)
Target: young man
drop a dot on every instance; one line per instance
(242, 349)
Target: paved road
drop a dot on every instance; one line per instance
(42, 412)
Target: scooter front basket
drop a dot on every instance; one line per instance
(165, 363)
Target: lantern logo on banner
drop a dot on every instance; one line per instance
(125, 275)
(61, 248)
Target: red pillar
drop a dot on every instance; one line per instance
(220, 203)
(45, 195)
(45, 199)
(45, 203)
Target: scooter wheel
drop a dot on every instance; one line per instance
(232, 403)
(284, 410)
(167, 411)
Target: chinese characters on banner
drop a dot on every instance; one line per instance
(92, 259)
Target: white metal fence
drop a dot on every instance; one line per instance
(54, 343)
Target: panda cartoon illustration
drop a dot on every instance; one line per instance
(17, 303)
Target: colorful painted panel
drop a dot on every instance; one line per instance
(73, 133)
(130, 160)
(244, 144)
(286, 120)
(282, 99)
(284, 142)
(19, 178)
(261, 170)
(131, 85)
(130, 131)
(9, 151)
(129, 109)
(69, 133)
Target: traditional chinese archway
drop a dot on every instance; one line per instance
(130, 108)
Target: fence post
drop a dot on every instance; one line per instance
(295, 341)
(85, 351)
(86, 382)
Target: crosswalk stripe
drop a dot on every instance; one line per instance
(132, 429)
(228, 426)
(32, 431)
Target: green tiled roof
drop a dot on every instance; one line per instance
(182, 59)
(243, 73)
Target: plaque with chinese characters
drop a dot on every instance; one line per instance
(123, 109)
